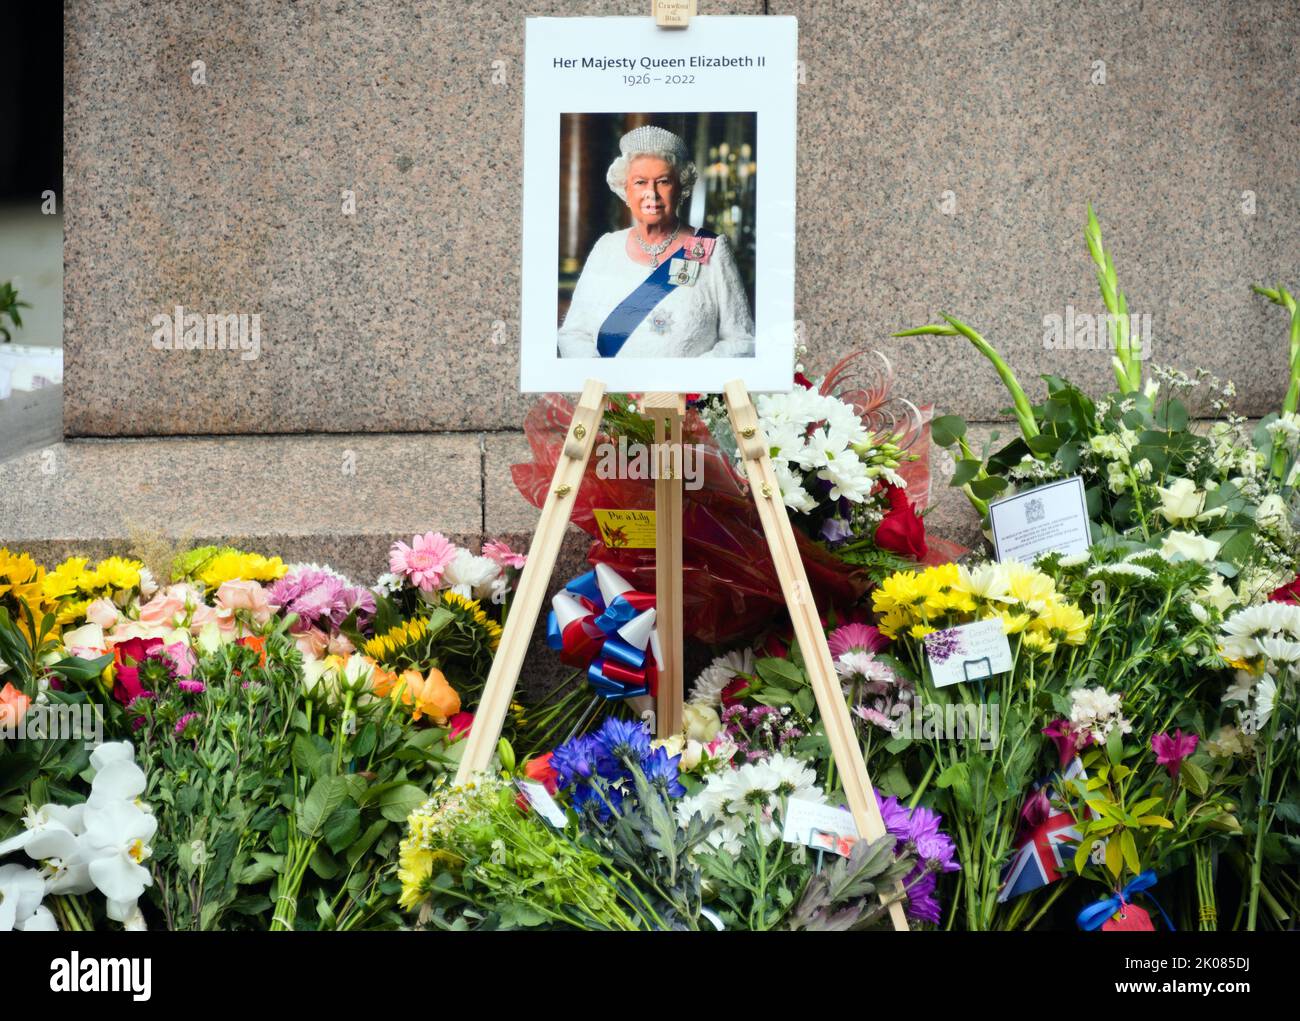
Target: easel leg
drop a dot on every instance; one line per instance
(845, 749)
(533, 583)
(668, 412)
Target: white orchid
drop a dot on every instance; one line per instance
(21, 892)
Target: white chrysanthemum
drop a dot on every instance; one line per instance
(1280, 650)
(1241, 689)
(471, 576)
(1074, 560)
(707, 689)
(1265, 697)
(1121, 573)
(989, 582)
(795, 778)
(792, 491)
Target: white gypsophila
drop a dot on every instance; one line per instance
(471, 576)
(707, 689)
(1098, 712)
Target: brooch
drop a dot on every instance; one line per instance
(698, 249)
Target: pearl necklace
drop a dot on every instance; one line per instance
(654, 251)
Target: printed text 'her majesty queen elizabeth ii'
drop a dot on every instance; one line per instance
(654, 63)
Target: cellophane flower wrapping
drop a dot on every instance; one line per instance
(730, 587)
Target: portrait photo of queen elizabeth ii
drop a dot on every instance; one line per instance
(672, 277)
(659, 240)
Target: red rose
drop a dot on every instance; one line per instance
(459, 724)
(127, 657)
(1289, 593)
(901, 531)
(803, 381)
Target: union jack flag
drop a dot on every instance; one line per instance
(1043, 851)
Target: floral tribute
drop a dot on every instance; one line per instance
(271, 745)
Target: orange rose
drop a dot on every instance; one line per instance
(13, 706)
(429, 696)
(382, 681)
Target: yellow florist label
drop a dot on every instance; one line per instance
(627, 529)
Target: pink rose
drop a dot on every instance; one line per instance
(182, 659)
(312, 643)
(204, 614)
(163, 609)
(247, 596)
(103, 613)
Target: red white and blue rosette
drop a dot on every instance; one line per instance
(599, 621)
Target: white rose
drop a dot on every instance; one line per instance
(1271, 514)
(701, 722)
(1217, 594)
(1190, 546)
(1181, 501)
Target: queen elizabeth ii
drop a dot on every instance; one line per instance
(660, 288)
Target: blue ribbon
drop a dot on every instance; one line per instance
(614, 648)
(632, 310)
(1094, 916)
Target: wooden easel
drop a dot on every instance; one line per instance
(668, 413)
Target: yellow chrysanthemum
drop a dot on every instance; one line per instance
(1038, 641)
(233, 565)
(1032, 588)
(921, 630)
(1065, 622)
(69, 578)
(21, 577)
(113, 573)
(1013, 623)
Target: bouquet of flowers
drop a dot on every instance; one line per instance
(1223, 495)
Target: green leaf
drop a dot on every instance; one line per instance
(967, 469)
(1129, 848)
(342, 827)
(947, 429)
(326, 794)
(780, 673)
(988, 488)
(1195, 778)
(399, 802)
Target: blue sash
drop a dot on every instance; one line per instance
(633, 309)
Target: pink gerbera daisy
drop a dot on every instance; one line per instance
(855, 638)
(423, 562)
(502, 554)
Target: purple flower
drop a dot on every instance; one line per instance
(941, 645)
(321, 597)
(835, 530)
(192, 687)
(922, 904)
(937, 852)
(182, 725)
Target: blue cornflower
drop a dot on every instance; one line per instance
(624, 740)
(578, 760)
(661, 771)
(587, 799)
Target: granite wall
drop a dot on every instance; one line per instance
(946, 154)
